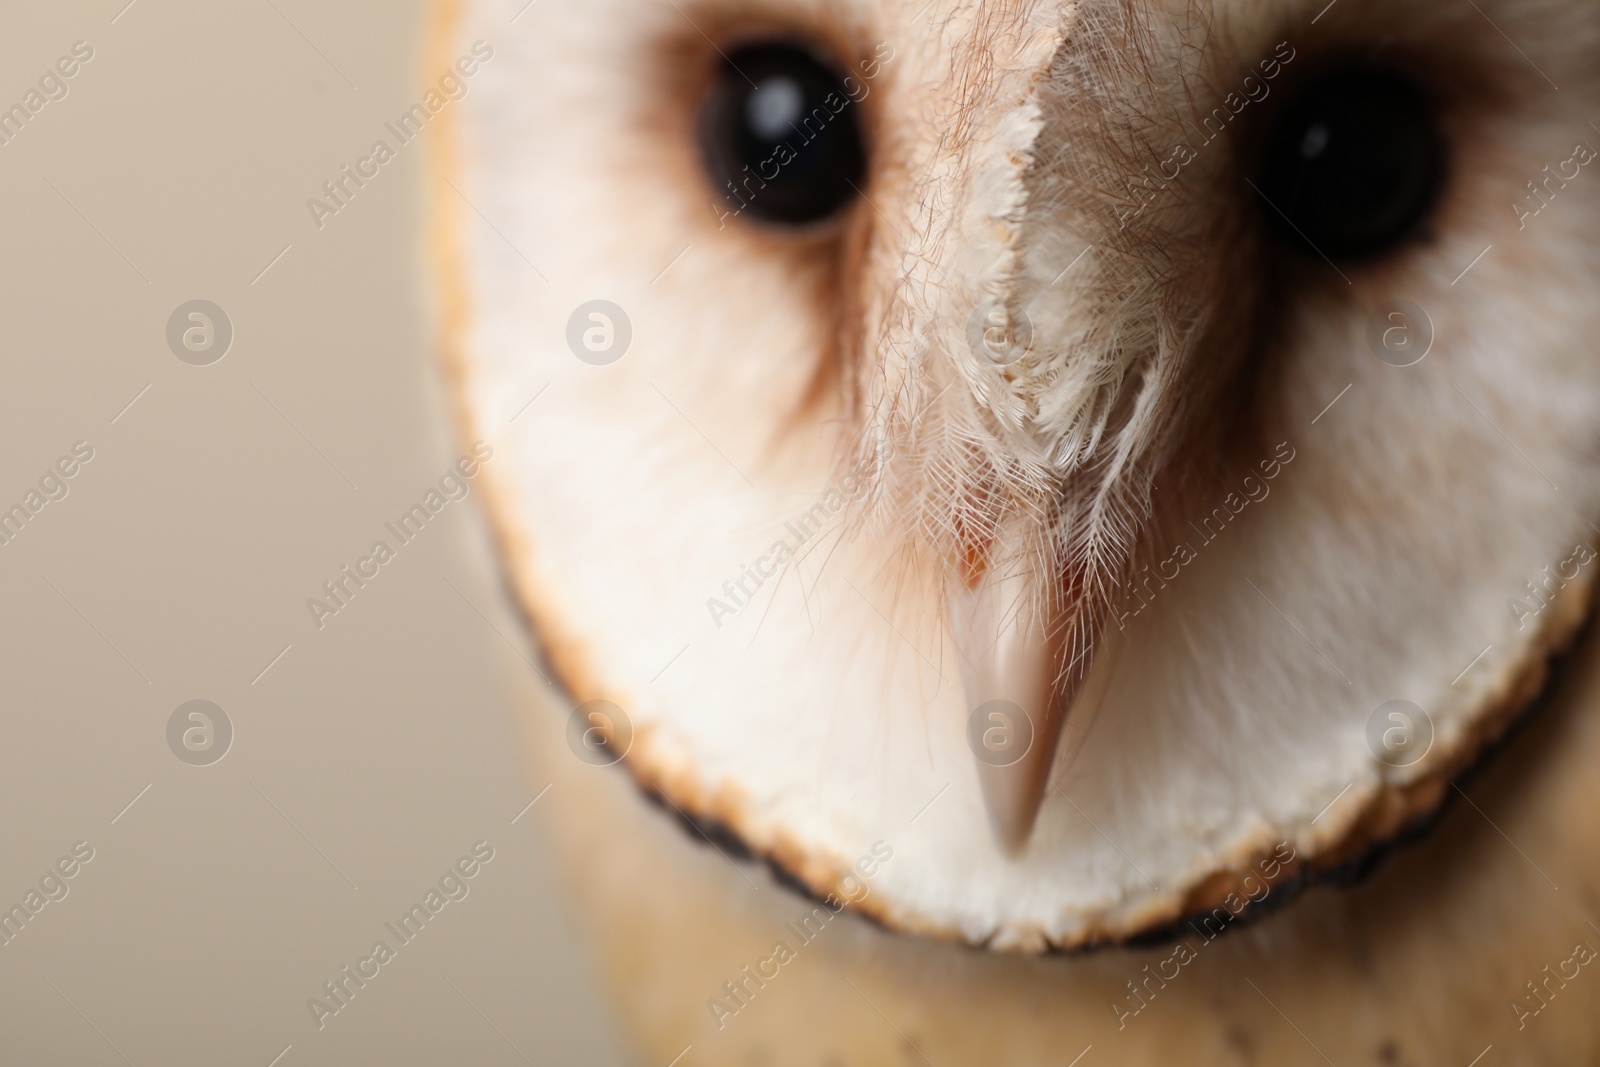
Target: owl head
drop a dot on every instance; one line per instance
(1105, 455)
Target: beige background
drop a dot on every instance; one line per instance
(178, 567)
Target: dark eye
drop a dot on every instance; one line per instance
(1354, 165)
(780, 135)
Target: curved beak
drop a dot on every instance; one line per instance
(1020, 689)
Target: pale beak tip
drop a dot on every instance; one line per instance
(1011, 821)
(1013, 794)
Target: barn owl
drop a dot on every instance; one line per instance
(1076, 466)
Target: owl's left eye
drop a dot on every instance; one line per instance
(780, 135)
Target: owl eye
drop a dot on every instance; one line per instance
(780, 135)
(1354, 165)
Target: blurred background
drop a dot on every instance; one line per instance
(229, 480)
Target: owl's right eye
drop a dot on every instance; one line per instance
(780, 135)
(1355, 164)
